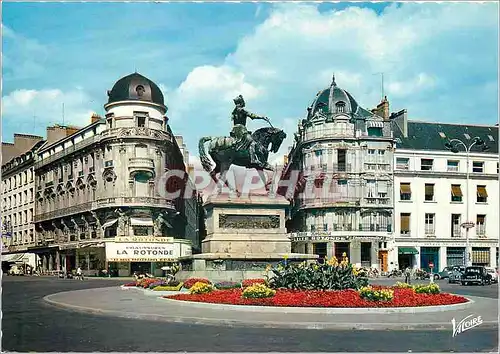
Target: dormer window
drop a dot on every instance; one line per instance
(340, 107)
(110, 123)
(141, 122)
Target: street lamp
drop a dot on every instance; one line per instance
(453, 146)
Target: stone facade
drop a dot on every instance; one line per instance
(343, 202)
(105, 182)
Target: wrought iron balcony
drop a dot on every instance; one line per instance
(67, 151)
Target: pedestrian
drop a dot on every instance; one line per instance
(408, 275)
(79, 273)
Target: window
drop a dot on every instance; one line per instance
(456, 193)
(340, 107)
(430, 224)
(429, 192)
(402, 163)
(452, 166)
(341, 160)
(313, 228)
(455, 225)
(110, 123)
(482, 196)
(477, 167)
(371, 152)
(381, 152)
(375, 131)
(325, 227)
(405, 223)
(481, 225)
(404, 191)
(426, 164)
(141, 122)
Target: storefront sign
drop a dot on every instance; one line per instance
(143, 239)
(146, 252)
(336, 238)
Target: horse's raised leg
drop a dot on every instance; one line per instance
(223, 179)
(267, 181)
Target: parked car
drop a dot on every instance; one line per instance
(494, 274)
(444, 274)
(455, 276)
(476, 275)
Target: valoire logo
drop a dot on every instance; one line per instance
(466, 324)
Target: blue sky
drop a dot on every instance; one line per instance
(440, 60)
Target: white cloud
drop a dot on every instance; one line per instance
(424, 50)
(31, 111)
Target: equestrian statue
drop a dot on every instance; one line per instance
(242, 147)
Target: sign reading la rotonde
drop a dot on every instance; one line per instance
(146, 249)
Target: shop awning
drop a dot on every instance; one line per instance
(109, 223)
(481, 191)
(405, 188)
(141, 222)
(456, 191)
(13, 257)
(407, 250)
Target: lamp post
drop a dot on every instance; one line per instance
(453, 146)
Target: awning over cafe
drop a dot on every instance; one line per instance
(13, 257)
(141, 222)
(109, 223)
(407, 250)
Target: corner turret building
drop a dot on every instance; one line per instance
(101, 201)
(344, 201)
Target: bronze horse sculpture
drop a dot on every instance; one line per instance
(226, 151)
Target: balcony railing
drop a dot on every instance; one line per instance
(63, 212)
(456, 232)
(330, 168)
(137, 131)
(480, 230)
(405, 233)
(314, 202)
(375, 228)
(132, 200)
(68, 150)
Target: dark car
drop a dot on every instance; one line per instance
(476, 275)
(455, 276)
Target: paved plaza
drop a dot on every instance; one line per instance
(30, 324)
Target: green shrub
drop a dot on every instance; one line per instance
(168, 287)
(368, 293)
(257, 291)
(331, 275)
(226, 285)
(427, 289)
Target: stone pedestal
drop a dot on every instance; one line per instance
(244, 235)
(246, 226)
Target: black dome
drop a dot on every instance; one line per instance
(135, 87)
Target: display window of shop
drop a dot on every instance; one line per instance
(366, 256)
(480, 256)
(429, 255)
(320, 250)
(110, 232)
(455, 256)
(340, 248)
(143, 231)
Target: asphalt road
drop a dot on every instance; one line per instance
(31, 325)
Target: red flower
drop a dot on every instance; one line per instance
(316, 298)
(131, 284)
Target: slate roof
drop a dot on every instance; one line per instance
(427, 136)
(125, 90)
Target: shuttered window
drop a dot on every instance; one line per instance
(405, 223)
(456, 193)
(429, 192)
(482, 196)
(404, 191)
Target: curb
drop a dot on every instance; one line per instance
(254, 324)
(261, 324)
(322, 310)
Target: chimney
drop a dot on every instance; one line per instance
(382, 109)
(95, 117)
(58, 132)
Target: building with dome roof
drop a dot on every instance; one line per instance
(343, 201)
(102, 201)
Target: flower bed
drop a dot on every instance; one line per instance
(318, 298)
(191, 281)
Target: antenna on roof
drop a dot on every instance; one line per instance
(381, 83)
(34, 120)
(63, 114)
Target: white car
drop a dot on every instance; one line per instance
(494, 274)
